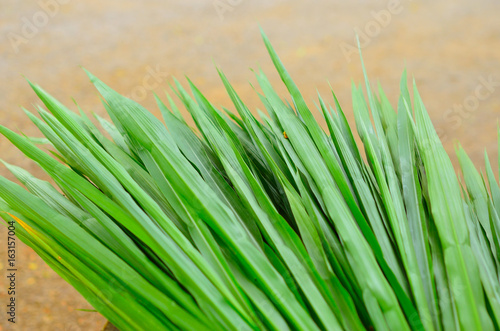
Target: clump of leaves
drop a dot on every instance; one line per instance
(268, 224)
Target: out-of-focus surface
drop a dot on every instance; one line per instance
(452, 48)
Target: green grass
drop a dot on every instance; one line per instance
(270, 223)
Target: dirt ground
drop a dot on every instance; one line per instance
(452, 49)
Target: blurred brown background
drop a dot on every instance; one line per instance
(451, 47)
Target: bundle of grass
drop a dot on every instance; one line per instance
(268, 224)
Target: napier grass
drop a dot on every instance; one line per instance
(265, 223)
